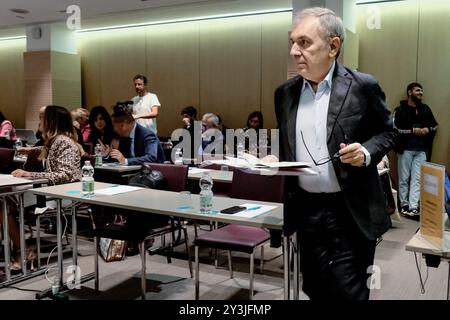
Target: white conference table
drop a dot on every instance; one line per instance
(420, 245)
(164, 203)
(9, 188)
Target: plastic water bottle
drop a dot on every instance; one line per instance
(240, 150)
(98, 155)
(178, 157)
(206, 194)
(87, 181)
(18, 143)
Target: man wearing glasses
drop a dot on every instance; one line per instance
(337, 119)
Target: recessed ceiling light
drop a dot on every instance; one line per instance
(20, 11)
(20, 17)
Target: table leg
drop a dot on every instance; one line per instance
(6, 240)
(296, 267)
(22, 234)
(448, 282)
(286, 267)
(59, 242)
(74, 236)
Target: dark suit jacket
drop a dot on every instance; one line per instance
(147, 147)
(358, 104)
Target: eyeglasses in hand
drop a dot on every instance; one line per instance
(335, 156)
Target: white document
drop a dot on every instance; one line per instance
(251, 162)
(116, 190)
(253, 210)
(197, 170)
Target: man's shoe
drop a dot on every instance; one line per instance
(415, 212)
(404, 211)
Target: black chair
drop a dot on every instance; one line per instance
(6, 160)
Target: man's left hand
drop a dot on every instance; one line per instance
(352, 154)
(116, 154)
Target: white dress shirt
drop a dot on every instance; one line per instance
(312, 122)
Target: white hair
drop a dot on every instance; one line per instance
(330, 23)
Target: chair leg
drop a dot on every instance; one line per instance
(252, 257)
(96, 241)
(188, 251)
(216, 258)
(197, 275)
(143, 271)
(38, 241)
(230, 265)
(262, 259)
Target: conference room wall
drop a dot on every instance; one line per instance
(12, 99)
(229, 66)
(410, 46)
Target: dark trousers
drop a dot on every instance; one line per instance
(334, 254)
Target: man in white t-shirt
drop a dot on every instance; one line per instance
(145, 105)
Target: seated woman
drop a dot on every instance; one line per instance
(7, 130)
(253, 135)
(212, 138)
(80, 118)
(102, 130)
(61, 154)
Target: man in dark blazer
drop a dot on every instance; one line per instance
(336, 119)
(137, 144)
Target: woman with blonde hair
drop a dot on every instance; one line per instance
(80, 119)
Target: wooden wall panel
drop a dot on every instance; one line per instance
(390, 53)
(173, 71)
(12, 102)
(122, 56)
(274, 45)
(230, 68)
(38, 85)
(433, 70)
(66, 79)
(88, 46)
(227, 66)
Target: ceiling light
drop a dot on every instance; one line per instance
(219, 16)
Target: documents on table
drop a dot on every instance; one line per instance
(116, 190)
(253, 210)
(198, 170)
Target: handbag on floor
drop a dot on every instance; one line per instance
(113, 249)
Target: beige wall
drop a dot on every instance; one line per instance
(228, 66)
(411, 46)
(12, 101)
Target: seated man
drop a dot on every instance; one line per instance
(137, 144)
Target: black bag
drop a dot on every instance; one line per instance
(140, 222)
(148, 178)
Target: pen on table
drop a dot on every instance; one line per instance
(253, 208)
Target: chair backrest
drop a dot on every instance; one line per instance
(33, 163)
(176, 175)
(6, 144)
(26, 135)
(257, 187)
(6, 160)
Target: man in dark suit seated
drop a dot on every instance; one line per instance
(137, 144)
